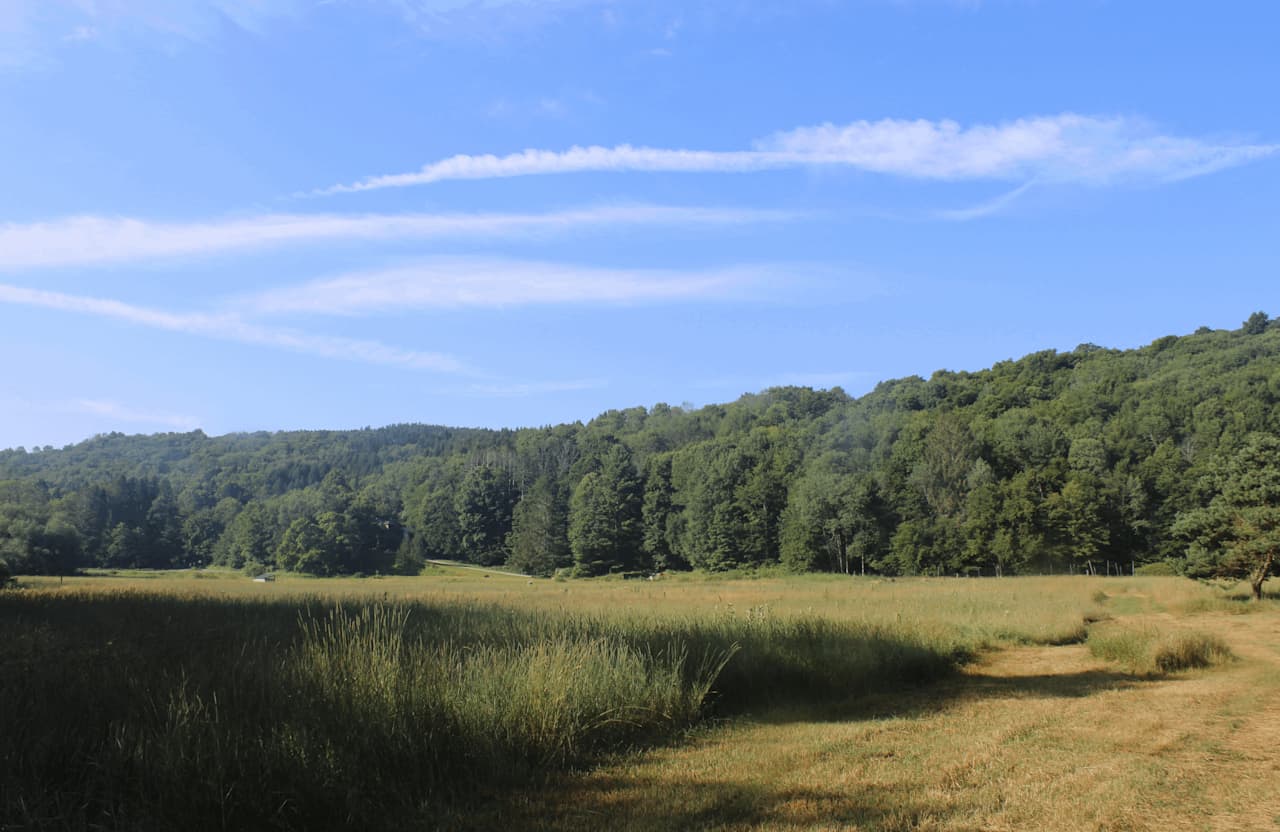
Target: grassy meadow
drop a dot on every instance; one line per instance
(466, 698)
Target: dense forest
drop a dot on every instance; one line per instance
(1057, 461)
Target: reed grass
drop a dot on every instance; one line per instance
(129, 709)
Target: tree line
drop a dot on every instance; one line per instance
(1055, 461)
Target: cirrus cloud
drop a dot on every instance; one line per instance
(229, 327)
(1062, 149)
(91, 240)
(495, 282)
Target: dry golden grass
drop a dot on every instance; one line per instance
(1029, 737)
(963, 611)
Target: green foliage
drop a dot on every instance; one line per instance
(605, 532)
(947, 455)
(308, 547)
(1239, 530)
(1256, 324)
(1053, 462)
(1160, 568)
(483, 505)
(539, 530)
(248, 540)
(657, 516)
(434, 524)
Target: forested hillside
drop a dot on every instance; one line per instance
(1054, 461)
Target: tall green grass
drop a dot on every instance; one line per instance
(143, 710)
(1148, 651)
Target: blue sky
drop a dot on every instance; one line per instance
(277, 214)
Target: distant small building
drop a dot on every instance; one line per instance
(263, 579)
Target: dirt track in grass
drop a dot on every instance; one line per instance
(1025, 738)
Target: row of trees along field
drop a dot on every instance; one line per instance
(1056, 461)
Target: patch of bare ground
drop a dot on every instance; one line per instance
(1026, 738)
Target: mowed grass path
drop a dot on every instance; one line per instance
(1027, 737)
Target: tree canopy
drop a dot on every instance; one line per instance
(1055, 461)
(1240, 527)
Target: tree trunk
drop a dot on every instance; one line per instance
(1259, 576)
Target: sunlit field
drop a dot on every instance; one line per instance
(969, 613)
(209, 701)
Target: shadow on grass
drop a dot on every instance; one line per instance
(133, 709)
(639, 804)
(913, 701)
(1048, 685)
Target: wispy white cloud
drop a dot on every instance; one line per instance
(479, 19)
(81, 241)
(554, 107)
(117, 412)
(30, 29)
(623, 158)
(533, 388)
(429, 284)
(984, 209)
(190, 19)
(1066, 148)
(18, 44)
(484, 282)
(560, 105)
(108, 414)
(229, 327)
(81, 34)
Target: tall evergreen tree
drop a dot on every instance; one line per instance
(539, 540)
(483, 504)
(604, 517)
